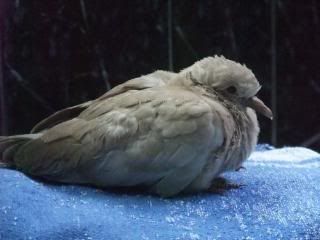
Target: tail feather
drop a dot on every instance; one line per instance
(10, 145)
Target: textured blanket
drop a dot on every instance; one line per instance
(280, 199)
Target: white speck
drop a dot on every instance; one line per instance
(170, 219)
(194, 236)
(188, 228)
(145, 237)
(78, 221)
(83, 193)
(248, 238)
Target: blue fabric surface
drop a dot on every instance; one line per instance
(280, 200)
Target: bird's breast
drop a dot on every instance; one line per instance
(241, 133)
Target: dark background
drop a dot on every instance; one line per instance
(59, 53)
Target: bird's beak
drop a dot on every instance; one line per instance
(256, 104)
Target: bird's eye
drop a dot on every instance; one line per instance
(231, 90)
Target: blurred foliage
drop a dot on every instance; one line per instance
(60, 53)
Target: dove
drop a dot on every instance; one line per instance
(165, 132)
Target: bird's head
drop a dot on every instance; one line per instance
(230, 79)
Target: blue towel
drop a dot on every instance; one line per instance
(280, 199)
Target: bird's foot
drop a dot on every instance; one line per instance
(241, 167)
(219, 185)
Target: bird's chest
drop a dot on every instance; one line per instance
(240, 137)
(240, 131)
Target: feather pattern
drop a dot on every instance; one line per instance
(167, 132)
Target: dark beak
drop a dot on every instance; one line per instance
(256, 104)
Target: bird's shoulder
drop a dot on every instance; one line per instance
(169, 101)
(154, 79)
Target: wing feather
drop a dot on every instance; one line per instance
(163, 145)
(155, 79)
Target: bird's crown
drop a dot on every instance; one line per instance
(220, 74)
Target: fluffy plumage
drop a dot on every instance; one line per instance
(167, 132)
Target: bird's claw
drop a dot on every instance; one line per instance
(220, 185)
(241, 167)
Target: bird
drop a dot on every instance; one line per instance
(167, 133)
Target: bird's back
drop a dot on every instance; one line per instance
(159, 137)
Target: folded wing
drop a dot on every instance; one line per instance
(159, 138)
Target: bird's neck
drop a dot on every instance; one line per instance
(237, 141)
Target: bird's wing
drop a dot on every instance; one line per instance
(155, 79)
(152, 137)
(60, 116)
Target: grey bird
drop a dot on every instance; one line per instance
(165, 132)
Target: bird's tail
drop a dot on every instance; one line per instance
(9, 146)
